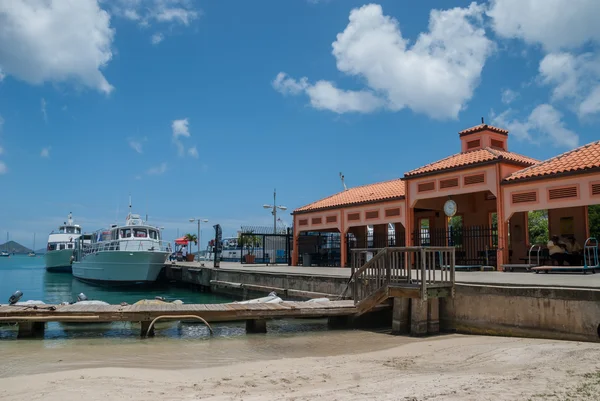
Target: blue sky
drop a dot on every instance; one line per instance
(202, 108)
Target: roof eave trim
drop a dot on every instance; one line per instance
(551, 176)
(451, 169)
(402, 197)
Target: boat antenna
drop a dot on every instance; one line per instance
(343, 181)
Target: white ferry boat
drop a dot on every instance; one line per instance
(128, 254)
(61, 246)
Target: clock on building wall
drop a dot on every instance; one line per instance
(450, 208)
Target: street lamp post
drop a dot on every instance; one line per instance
(199, 236)
(274, 208)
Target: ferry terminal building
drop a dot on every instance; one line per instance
(493, 190)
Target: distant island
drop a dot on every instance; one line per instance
(15, 247)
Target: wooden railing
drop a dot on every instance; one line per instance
(374, 269)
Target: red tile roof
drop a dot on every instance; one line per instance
(472, 158)
(483, 127)
(581, 159)
(380, 191)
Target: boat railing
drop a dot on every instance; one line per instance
(127, 245)
(538, 250)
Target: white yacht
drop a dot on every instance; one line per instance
(61, 246)
(128, 254)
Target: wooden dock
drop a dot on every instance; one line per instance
(31, 319)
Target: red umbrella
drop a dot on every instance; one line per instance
(181, 241)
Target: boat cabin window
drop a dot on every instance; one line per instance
(62, 246)
(77, 230)
(70, 246)
(153, 234)
(51, 247)
(114, 234)
(125, 233)
(70, 230)
(140, 233)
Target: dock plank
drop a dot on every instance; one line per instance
(209, 312)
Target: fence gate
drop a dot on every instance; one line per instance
(475, 245)
(260, 245)
(395, 239)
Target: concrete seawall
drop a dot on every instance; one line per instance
(502, 310)
(540, 312)
(247, 283)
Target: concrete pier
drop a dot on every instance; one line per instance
(31, 329)
(256, 326)
(401, 316)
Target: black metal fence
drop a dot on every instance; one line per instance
(475, 245)
(319, 249)
(264, 246)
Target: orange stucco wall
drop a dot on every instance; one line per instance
(490, 184)
(541, 188)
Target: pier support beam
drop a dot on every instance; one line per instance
(401, 316)
(144, 332)
(433, 316)
(31, 329)
(418, 317)
(256, 326)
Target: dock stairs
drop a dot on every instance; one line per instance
(414, 278)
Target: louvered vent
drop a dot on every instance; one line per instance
(562, 193)
(372, 215)
(474, 179)
(426, 186)
(354, 216)
(303, 222)
(449, 183)
(596, 189)
(497, 144)
(317, 220)
(331, 219)
(524, 197)
(392, 212)
(473, 144)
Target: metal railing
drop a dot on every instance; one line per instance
(127, 245)
(538, 250)
(590, 253)
(416, 267)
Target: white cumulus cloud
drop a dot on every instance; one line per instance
(158, 170)
(44, 113)
(193, 152)
(543, 125)
(45, 152)
(574, 77)
(435, 76)
(56, 41)
(180, 128)
(136, 145)
(554, 24)
(509, 96)
(157, 38)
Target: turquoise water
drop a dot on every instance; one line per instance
(29, 275)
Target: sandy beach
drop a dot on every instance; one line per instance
(449, 367)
